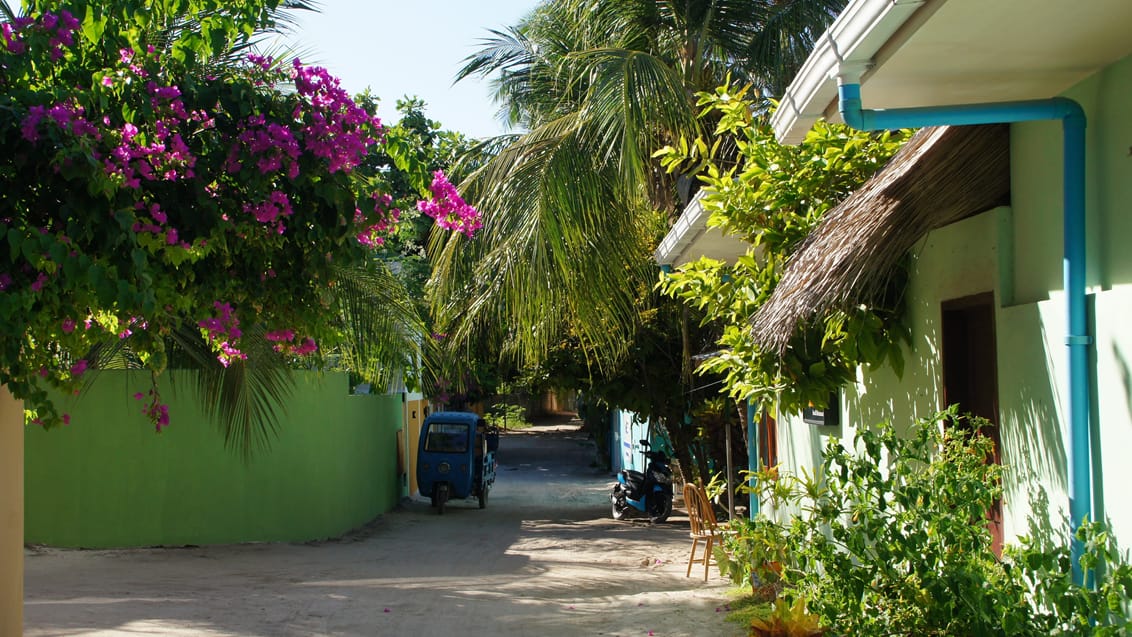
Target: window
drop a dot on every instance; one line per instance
(447, 438)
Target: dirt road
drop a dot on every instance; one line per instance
(544, 559)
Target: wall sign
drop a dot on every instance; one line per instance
(827, 415)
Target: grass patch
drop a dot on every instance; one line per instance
(745, 607)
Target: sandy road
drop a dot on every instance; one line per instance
(544, 559)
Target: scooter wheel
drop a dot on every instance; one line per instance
(483, 498)
(659, 508)
(618, 512)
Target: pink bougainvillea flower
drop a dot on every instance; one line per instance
(68, 325)
(308, 346)
(38, 283)
(79, 367)
(448, 209)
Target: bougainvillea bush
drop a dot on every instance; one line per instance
(155, 176)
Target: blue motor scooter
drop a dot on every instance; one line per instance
(649, 492)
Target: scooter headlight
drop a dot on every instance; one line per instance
(444, 467)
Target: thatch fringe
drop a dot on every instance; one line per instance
(940, 176)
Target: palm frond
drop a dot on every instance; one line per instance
(636, 103)
(563, 260)
(383, 330)
(573, 208)
(243, 399)
(785, 39)
(7, 12)
(506, 51)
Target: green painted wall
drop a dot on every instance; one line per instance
(1017, 253)
(953, 262)
(108, 480)
(1032, 352)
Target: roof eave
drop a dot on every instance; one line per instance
(691, 238)
(690, 225)
(853, 38)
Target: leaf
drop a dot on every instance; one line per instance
(14, 243)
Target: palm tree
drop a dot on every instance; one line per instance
(573, 206)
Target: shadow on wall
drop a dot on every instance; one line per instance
(1031, 429)
(882, 396)
(1125, 376)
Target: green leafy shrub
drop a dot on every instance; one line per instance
(772, 195)
(890, 539)
(787, 620)
(507, 416)
(1062, 607)
(753, 553)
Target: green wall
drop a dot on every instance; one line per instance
(1016, 252)
(108, 480)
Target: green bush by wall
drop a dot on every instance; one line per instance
(108, 480)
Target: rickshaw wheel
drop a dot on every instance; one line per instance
(483, 498)
(441, 497)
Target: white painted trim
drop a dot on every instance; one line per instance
(691, 224)
(853, 38)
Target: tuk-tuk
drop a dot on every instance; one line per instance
(456, 458)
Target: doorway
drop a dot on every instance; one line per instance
(970, 375)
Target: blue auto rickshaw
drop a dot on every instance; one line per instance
(456, 458)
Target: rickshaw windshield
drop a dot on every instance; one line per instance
(447, 438)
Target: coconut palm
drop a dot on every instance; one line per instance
(573, 206)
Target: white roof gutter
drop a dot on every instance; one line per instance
(691, 224)
(851, 41)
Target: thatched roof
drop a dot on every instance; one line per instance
(940, 176)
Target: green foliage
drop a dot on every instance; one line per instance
(889, 538)
(1043, 560)
(772, 196)
(507, 416)
(787, 620)
(753, 553)
(895, 528)
(574, 206)
(134, 201)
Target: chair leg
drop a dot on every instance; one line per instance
(692, 557)
(707, 556)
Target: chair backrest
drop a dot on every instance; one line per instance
(701, 515)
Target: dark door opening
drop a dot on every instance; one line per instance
(970, 375)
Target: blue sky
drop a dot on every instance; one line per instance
(410, 47)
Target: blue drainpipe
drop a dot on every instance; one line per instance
(1078, 340)
(752, 456)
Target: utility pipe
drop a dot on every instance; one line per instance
(1072, 118)
(752, 458)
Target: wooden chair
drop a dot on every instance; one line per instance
(701, 516)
